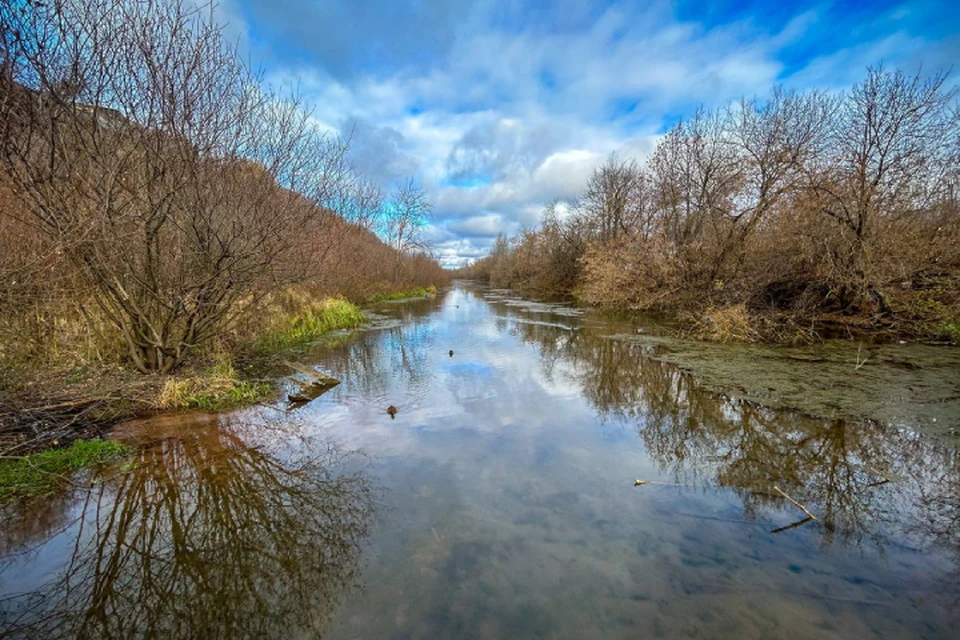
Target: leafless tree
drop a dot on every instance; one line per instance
(406, 215)
(891, 157)
(363, 204)
(152, 156)
(615, 200)
(800, 208)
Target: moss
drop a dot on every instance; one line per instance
(41, 472)
(310, 325)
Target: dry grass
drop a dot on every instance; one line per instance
(726, 324)
(216, 389)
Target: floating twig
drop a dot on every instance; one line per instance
(700, 516)
(792, 525)
(860, 363)
(794, 502)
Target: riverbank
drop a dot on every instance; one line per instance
(889, 384)
(44, 413)
(911, 317)
(510, 469)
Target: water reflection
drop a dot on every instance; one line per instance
(866, 481)
(216, 533)
(509, 504)
(510, 470)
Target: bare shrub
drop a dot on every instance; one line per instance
(795, 209)
(164, 185)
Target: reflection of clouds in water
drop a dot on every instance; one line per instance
(535, 524)
(470, 369)
(512, 512)
(529, 414)
(709, 537)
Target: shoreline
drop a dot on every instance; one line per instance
(57, 415)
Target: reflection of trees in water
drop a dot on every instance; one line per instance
(208, 537)
(377, 359)
(865, 480)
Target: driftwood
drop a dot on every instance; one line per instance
(317, 384)
(792, 525)
(315, 376)
(794, 502)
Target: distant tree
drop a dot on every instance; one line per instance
(614, 201)
(405, 216)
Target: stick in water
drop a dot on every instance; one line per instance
(795, 503)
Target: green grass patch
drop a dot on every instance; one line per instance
(948, 331)
(419, 292)
(216, 389)
(310, 325)
(39, 473)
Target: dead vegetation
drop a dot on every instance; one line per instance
(771, 217)
(161, 209)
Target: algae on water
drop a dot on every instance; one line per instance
(910, 385)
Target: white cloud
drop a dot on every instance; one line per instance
(500, 106)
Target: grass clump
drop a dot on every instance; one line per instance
(309, 324)
(419, 292)
(726, 324)
(216, 389)
(948, 331)
(38, 473)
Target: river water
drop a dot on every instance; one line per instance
(502, 502)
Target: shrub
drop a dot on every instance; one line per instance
(726, 324)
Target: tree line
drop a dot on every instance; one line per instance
(154, 186)
(799, 209)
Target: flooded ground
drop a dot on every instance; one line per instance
(501, 500)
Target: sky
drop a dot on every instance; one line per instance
(498, 107)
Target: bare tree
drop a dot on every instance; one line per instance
(615, 200)
(892, 156)
(406, 215)
(696, 173)
(807, 206)
(363, 204)
(150, 153)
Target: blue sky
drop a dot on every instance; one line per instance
(500, 106)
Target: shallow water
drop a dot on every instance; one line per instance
(500, 503)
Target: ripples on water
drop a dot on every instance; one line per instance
(500, 503)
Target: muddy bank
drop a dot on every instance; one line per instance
(911, 385)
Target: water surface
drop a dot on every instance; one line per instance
(500, 502)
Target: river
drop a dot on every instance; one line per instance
(561, 474)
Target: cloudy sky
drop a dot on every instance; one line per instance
(499, 106)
